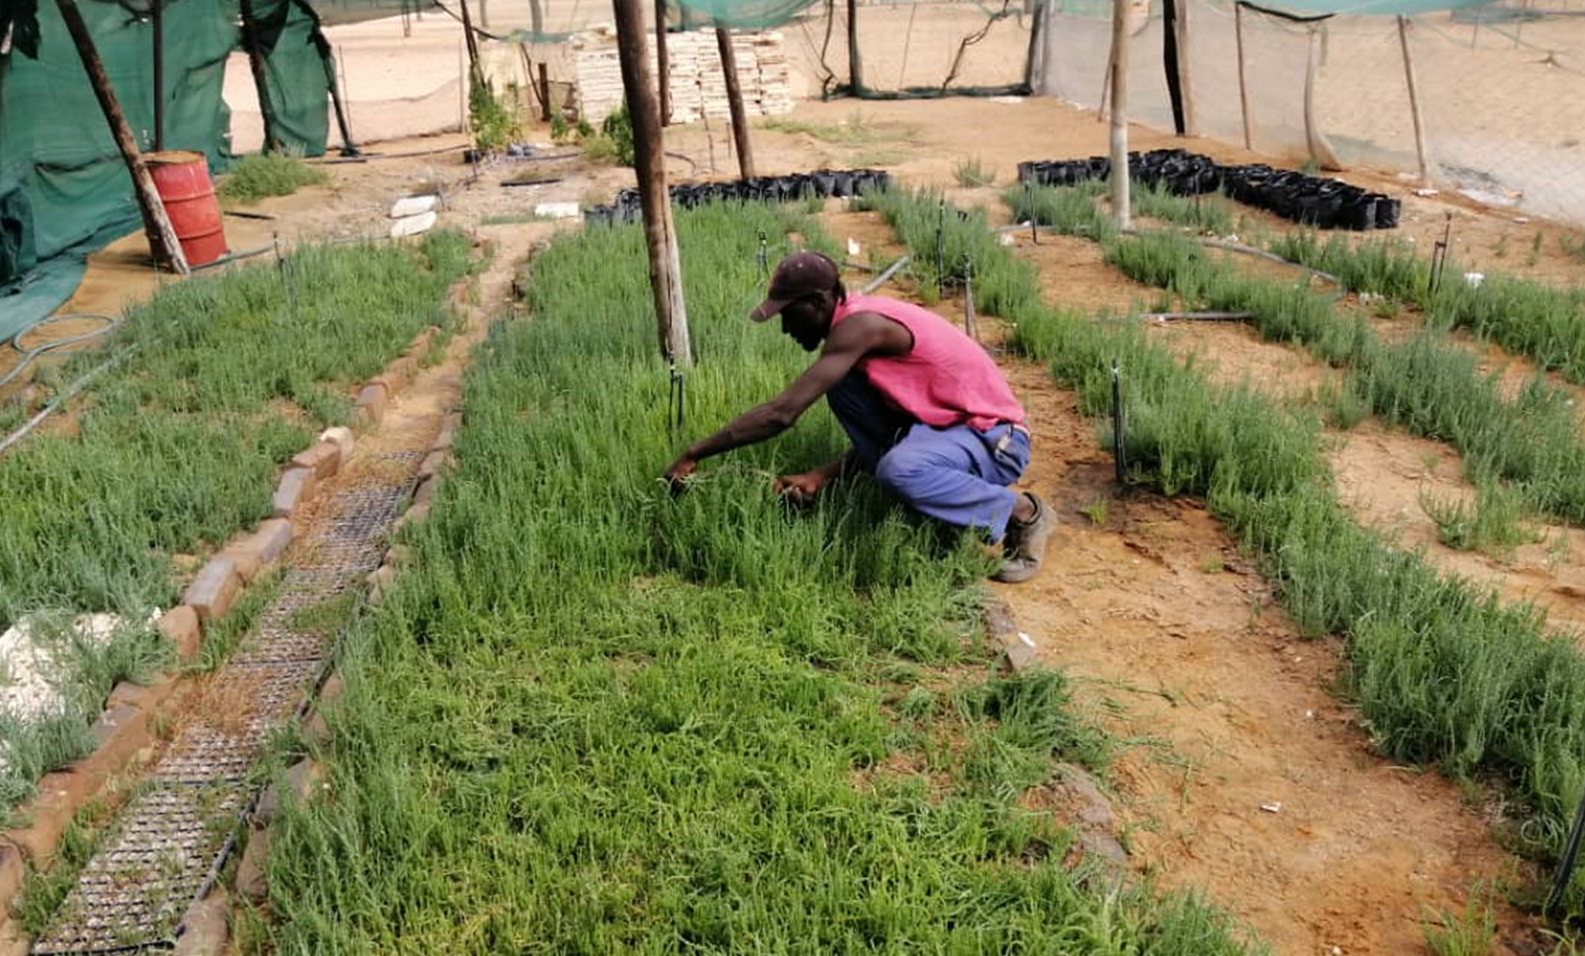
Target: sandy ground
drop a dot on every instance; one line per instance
(1174, 639)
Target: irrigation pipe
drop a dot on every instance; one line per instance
(1212, 243)
(233, 257)
(1198, 316)
(880, 280)
(28, 355)
(60, 400)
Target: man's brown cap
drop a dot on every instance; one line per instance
(800, 274)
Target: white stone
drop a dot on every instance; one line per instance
(413, 206)
(413, 225)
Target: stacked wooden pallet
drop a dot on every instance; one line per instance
(698, 85)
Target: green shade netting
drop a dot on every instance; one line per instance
(1102, 9)
(747, 14)
(64, 189)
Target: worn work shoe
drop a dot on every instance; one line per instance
(1026, 543)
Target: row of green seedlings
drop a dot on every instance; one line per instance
(219, 381)
(1526, 317)
(1524, 456)
(1443, 673)
(593, 717)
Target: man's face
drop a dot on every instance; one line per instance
(807, 321)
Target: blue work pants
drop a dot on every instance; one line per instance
(956, 474)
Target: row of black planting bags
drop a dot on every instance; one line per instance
(1324, 203)
(820, 183)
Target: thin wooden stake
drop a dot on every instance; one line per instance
(163, 241)
(1243, 85)
(1414, 102)
(662, 63)
(734, 99)
(1119, 112)
(660, 236)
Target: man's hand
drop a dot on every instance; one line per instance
(801, 488)
(678, 473)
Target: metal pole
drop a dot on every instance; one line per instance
(1414, 101)
(1119, 459)
(660, 236)
(163, 241)
(1243, 86)
(1119, 138)
(158, 24)
(734, 99)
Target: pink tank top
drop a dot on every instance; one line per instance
(945, 379)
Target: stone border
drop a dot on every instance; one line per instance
(207, 923)
(125, 733)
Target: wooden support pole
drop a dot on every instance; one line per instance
(1034, 57)
(660, 235)
(1315, 140)
(261, 83)
(544, 85)
(475, 70)
(1243, 86)
(1106, 87)
(328, 59)
(662, 63)
(734, 99)
(1119, 175)
(1421, 160)
(163, 242)
(157, 25)
(855, 68)
(1190, 128)
(1170, 62)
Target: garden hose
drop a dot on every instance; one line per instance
(29, 355)
(61, 399)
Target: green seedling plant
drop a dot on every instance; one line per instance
(592, 716)
(1493, 523)
(971, 173)
(261, 175)
(1470, 932)
(1444, 674)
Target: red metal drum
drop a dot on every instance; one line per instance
(182, 180)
